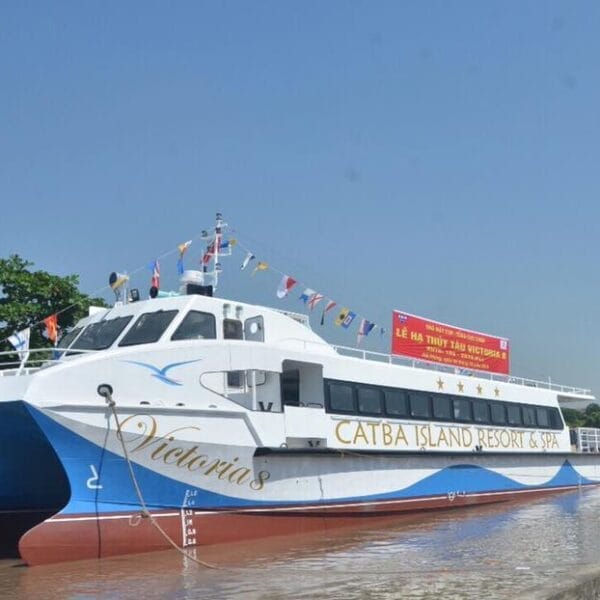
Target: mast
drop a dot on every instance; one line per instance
(217, 242)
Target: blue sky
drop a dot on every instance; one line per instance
(438, 158)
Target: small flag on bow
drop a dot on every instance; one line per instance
(330, 304)
(182, 250)
(314, 300)
(343, 314)
(154, 267)
(261, 266)
(249, 256)
(306, 294)
(348, 319)
(20, 341)
(285, 285)
(364, 329)
(51, 324)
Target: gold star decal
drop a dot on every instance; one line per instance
(479, 390)
(461, 386)
(496, 391)
(440, 383)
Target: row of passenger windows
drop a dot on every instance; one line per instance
(149, 328)
(352, 398)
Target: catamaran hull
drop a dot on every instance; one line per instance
(33, 485)
(208, 493)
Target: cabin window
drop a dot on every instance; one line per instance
(235, 378)
(543, 418)
(148, 328)
(528, 416)
(196, 326)
(462, 409)
(396, 404)
(290, 388)
(369, 401)
(102, 334)
(498, 414)
(513, 415)
(442, 408)
(481, 411)
(254, 329)
(233, 329)
(555, 419)
(341, 397)
(67, 339)
(419, 405)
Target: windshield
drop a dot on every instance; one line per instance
(148, 328)
(67, 339)
(101, 335)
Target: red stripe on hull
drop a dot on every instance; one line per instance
(76, 537)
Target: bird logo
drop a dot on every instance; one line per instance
(161, 374)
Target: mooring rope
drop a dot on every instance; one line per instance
(107, 394)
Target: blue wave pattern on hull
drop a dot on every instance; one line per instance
(31, 476)
(117, 493)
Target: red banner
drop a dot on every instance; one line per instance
(436, 342)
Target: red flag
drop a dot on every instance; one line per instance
(51, 324)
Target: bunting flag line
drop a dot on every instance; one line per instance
(348, 319)
(364, 329)
(51, 324)
(314, 300)
(20, 341)
(382, 331)
(343, 314)
(330, 304)
(182, 250)
(285, 285)
(154, 267)
(306, 294)
(249, 256)
(261, 266)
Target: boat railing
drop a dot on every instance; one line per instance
(34, 360)
(417, 364)
(394, 359)
(588, 440)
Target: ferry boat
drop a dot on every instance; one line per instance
(195, 420)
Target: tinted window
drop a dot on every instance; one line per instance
(513, 413)
(369, 400)
(235, 378)
(481, 413)
(101, 335)
(462, 409)
(498, 414)
(196, 326)
(555, 420)
(542, 417)
(232, 329)
(67, 339)
(396, 404)
(254, 329)
(148, 328)
(528, 416)
(341, 397)
(290, 387)
(442, 408)
(419, 405)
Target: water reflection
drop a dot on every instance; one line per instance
(492, 552)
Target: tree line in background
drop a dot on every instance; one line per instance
(27, 297)
(589, 417)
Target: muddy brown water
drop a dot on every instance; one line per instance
(502, 551)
